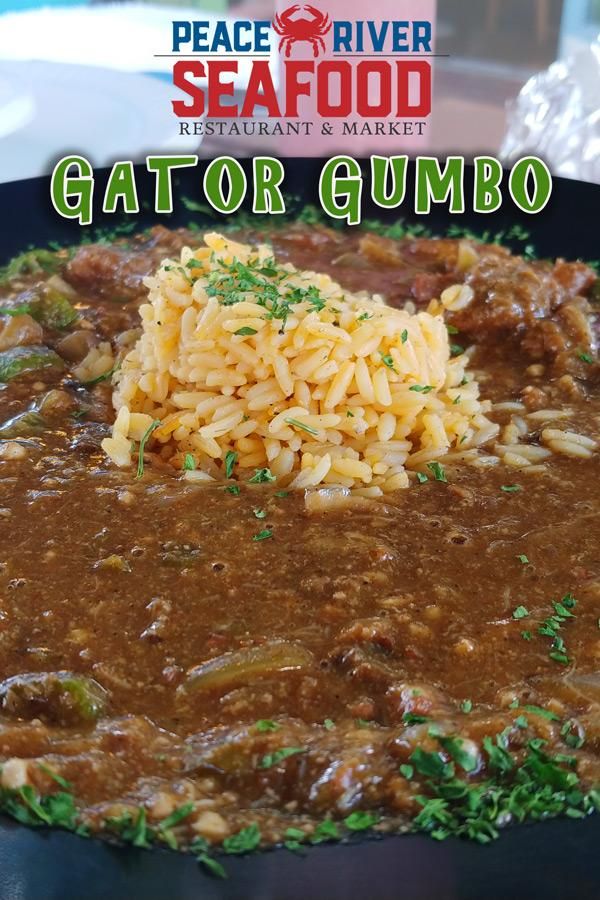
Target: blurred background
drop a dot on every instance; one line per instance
(84, 76)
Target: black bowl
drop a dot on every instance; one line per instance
(556, 859)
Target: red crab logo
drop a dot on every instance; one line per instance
(295, 31)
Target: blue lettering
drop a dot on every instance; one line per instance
(239, 44)
(182, 33)
(399, 42)
(200, 43)
(261, 36)
(221, 38)
(422, 36)
(378, 35)
(342, 36)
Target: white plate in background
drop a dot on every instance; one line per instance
(50, 109)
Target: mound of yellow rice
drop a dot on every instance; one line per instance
(245, 363)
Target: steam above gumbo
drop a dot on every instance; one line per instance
(315, 514)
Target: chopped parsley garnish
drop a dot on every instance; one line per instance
(510, 488)
(328, 724)
(455, 748)
(456, 349)
(421, 477)
(387, 360)
(294, 838)
(297, 424)
(106, 376)
(421, 388)
(260, 513)
(282, 493)
(407, 771)
(431, 765)
(466, 706)
(551, 626)
(363, 316)
(233, 489)
(438, 471)
(245, 331)
(263, 535)
(189, 463)
(201, 850)
(451, 329)
(231, 459)
(522, 559)
(273, 759)
(540, 711)
(404, 336)
(411, 718)
(521, 612)
(266, 725)
(55, 776)
(325, 831)
(526, 635)
(262, 476)
(586, 358)
(349, 414)
(360, 820)
(144, 440)
(245, 841)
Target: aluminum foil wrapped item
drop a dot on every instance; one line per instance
(557, 117)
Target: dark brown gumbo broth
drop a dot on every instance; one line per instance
(431, 657)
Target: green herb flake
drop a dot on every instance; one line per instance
(263, 535)
(456, 750)
(526, 635)
(438, 471)
(421, 477)
(262, 476)
(266, 725)
(421, 388)
(189, 463)
(521, 612)
(245, 841)
(456, 349)
(246, 331)
(325, 831)
(231, 459)
(233, 489)
(328, 724)
(510, 488)
(387, 360)
(360, 820)
(282, 493)
(540, 711)
(404, 336)
(407, 771)
(278, 756)
(430, 764)
(466, 706)
(586, 358)
(260, 513)
(522, 559)
(297, 424)
(145, 437)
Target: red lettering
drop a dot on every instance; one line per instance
(180, 70)
(260, 91)
(325, 106)
(293, 87)
(382, 71)
(218, 89)
(410, 71)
